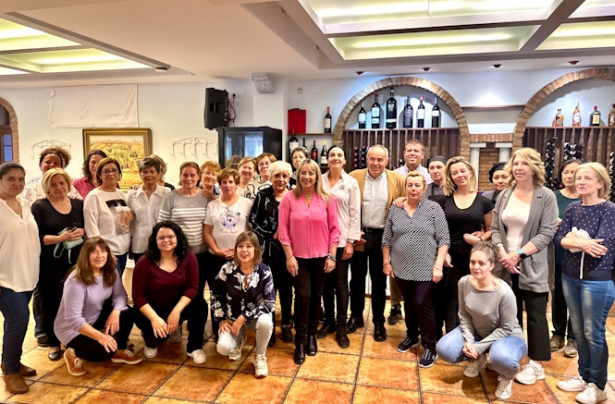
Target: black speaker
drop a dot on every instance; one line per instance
(215, 108)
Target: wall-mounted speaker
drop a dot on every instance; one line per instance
(215, 113)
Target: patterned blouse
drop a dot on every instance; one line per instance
(264, 221)
(229, 300)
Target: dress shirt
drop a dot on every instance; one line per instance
(144, 215)
(348, 199)
(403, 170)
(375, 199)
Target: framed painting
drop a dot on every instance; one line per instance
(128, 146)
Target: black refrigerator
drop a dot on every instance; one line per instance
(237, 143)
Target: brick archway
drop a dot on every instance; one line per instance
(14, 128)
(532, 104)
(444, 95)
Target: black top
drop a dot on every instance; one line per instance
(170, 186)
(461, 221)
(264, 221)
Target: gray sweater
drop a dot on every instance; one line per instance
(487, 316)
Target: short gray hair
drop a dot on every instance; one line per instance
(280, 167)
(379, 146)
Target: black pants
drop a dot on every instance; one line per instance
(51, 289)
(559, 309)
(136, 256)
(336, 290)
(370, 257)
(211, 268)
(282, 282)
(538, 347)
(445, 301)
(419, 311)
(90, 349)
(309, 283)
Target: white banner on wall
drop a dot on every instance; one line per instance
(113, 106)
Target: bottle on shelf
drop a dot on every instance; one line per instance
(611, 119)
(435, 115)
(576, 115)
(595, 121)
(314, 154)
(408, 114)
(304, 146)
(420, 114)
(559, 118)
(376, 114)
(323, 155)
(293, 143)
(328, 121)
(362, 116)
(391, 120)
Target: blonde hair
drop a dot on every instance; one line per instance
(602, 175)
(415, 174)
(280, 167)
(449, 186)
(320, 191)
(46, 182)
(533, 160)
(247, 160)
(212, 165)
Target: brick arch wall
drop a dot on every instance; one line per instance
(385, 83)
(532, 104)
(14, 128)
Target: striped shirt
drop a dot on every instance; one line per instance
(188, 212)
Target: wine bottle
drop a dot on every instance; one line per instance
(595, 117)
(612, 116)
(576, 115)
(362, 116)
(408, 114)
(391, 121)
(293, 143)
(435, 115)
(420, 114)
(304, 146)
(376, 114)
(328, 121)
(559, 118)
(314, 154)
(323, 155)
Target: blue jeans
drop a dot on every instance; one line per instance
(14, 307)
(589, 303)
(504, 354)
(121, 262)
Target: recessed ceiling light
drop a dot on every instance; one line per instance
(573, 62)
(162, 69)
(497, 65)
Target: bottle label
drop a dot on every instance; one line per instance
(362, 117)
(293, 145)
(375, 113)
(420, 114)
(596, 119)
(435, 113)
(576, 118)
(612, 119)
(323, 160)
(327, 122)
(391, 120)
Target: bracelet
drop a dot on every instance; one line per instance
(332, 258)
(438, 268)
(292, 256)
(386, 263)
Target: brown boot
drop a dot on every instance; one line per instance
(16, 384)
(25, 371)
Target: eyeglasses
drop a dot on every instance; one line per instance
(109, 172)
(162, 238)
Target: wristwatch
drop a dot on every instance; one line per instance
(522, 255)
(332, 258)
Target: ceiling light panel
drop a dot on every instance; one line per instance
(5, 71)
(581, 36)
(595, 8)
(16, 37)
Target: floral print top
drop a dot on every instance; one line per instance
(234, 293)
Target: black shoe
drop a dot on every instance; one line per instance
(380, 333)
(272, 339)
(55, 355)
(395, 314)
(325, 329)
(323, 317)
(43, 341)
(354, 323)
(428, 359)
(287, 334)
(342, 337)
(406, 344)
(312, 347)
(299, 357)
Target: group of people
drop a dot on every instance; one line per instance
(462, 263)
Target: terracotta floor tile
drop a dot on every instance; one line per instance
(95, 372)
(192, 383)
(450, 379)
(101, 396)
(217, 361)
(140, 379)
(279, 361)
(269, 390)
(388, 373)
(168, 353)
(370, 394)
(610, 324)
(159, 400)
(45, 393)
(398, 330)
(330, 366)
(4, 393)
(560, 395)
(329, 344)
(434, 398)
(319, 392)
(560, 365)
(536, 393)
(611, 370)
(37, 359)
(387, 349)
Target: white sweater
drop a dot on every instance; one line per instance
(104, 213)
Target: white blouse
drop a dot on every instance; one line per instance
(348, 201)
(144, 215)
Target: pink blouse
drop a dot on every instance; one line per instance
(309, 231)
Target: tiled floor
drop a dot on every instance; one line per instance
(367, 372)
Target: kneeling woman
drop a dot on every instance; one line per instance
(488, 316)
(243, 298)
(94, 321)
(164, 285)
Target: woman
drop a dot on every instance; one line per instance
(523, 226)
(498, 176)
(145, 203)
(586, 231)
(347, 195)
(414, 247)
(187, 207)
(164, 286)
(94, 299)
(263, 162)
(209, 175)
(264, 221)
(107, 213)
(488, 314)
(436, 166)
(226, 218)
(559, 310)
(88, 182)
(309, 233)
(297, 156)
(20, 251)
(243, 298)
(60, 228)
(163, 172)
(247, 168)
(51, 157)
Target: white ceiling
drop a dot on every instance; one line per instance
(202, 40)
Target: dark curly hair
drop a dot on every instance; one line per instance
(181, 251)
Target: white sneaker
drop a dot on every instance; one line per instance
(574, 384)
(198, 356)
(260, 366)
(530, 373)
(591, 395)
(473, 368)
(504, 389)
(150, 352)
(176, 337)
(236, 353)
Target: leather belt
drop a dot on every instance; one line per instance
(372, 230)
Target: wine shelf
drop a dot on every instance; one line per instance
(308, 135)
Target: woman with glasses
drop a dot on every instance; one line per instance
(262, 180)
